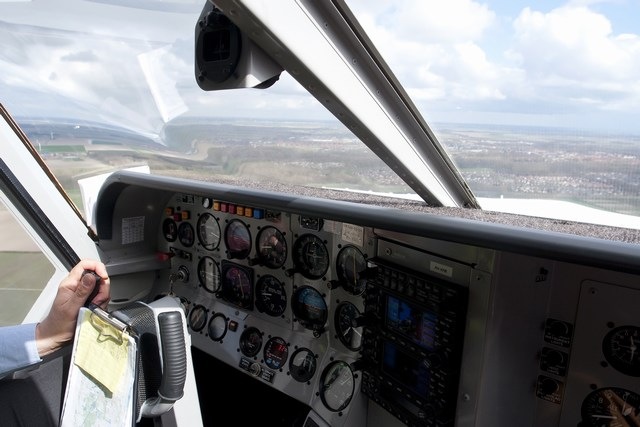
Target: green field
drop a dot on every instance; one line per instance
(24, 275)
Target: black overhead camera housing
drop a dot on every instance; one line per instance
(225, 58)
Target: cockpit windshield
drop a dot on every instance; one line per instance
(535, 103)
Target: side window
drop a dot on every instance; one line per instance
(24, 270)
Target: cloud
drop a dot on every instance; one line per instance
(434, 47)
(464, 56)
(426, 21)
(83, 56)
(571, 54)
(451, 56)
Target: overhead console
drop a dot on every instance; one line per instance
(357, 315)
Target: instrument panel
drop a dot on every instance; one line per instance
(367, 317)
(262, 288)
(295, 302)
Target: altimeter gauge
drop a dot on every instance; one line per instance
(611, 407)
(347, 328)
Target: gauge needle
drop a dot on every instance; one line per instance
(633, 348)
(609, 417)
(355, 274)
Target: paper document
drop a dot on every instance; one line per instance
(100, 386)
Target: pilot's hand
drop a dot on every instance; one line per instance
(58, 327)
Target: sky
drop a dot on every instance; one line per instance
(574, 63)
(571, 64)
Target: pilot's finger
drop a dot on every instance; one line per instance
(86, 285)
(102, 294)
(83, 282)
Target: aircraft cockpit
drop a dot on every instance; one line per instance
(323, 305)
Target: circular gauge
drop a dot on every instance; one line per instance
(208, 231)
(271, 297)
(238, 239)
(198, 318)
(309, 307)
(311, 257)
(272, 247)
(337, 385)
(611, 407)
(250, 341)
(345, 320)
(185, 304)
(302, 365)
(169, 230)
(209, 274)
(276, 352)
(350, 267)
(621, 348)
(217, 327)
(185, 234)
(237, 285)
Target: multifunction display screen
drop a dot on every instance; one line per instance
(414, 324)
(405, 368)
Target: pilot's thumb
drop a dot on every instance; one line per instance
(87, 284)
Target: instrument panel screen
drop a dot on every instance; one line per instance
(413, 373)
(414, 324)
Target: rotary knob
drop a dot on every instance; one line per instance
(255, 369)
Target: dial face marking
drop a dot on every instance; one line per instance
(271, 296)
(272, 247)
(311, 256)
(621, 349)
(208, 231)
(611, 407)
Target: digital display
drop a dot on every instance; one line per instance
(411, 322)
(401, 366)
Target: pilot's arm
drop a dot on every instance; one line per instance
(26, 344)
(18, 347)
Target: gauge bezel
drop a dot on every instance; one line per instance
(274, 305)
(229, 289)
(214, 317)
(324, 387)
(205, 238)
(215, 288)
(169, 230)
(344, 274)
(615, 352)
(236, 232)
(599, 404)
(186, 234)
(299, 306)
(317, 268)
(197, 310)
(263, 241)
(299, 373)
(245, 348)
(275, 361)
(344, 335)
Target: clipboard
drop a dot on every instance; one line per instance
(101, 385)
